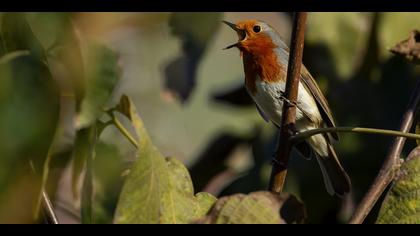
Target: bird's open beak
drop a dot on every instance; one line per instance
(241, 34)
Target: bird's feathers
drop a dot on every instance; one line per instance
(323, 107)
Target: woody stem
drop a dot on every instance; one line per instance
(280, 162)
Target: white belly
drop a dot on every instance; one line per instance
(267, 98)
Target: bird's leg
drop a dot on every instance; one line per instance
(296, 104)
(283, 98)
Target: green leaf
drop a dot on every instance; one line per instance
(87, 189)
(102, 75)
(84, 155)
(205, 202)
(402, 203)
(65, 48)
(158, 189)
(50, 28)
(85, 141)
(108, 166)
(17, 35)
(256, 208)
(29, 111)
(329, 28)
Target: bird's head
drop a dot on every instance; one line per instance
(255, 37)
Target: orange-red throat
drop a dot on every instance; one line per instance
(258, 52)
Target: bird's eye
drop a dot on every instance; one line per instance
(256, 28)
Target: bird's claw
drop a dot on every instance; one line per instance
(282, 97)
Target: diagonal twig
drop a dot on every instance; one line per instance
(48, 209)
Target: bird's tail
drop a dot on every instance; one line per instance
(335, 177)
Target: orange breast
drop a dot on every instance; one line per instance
(260, 59)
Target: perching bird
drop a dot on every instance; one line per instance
(265, 58)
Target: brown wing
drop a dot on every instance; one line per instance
(324, 109)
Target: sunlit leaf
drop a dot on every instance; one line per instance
(205, 202)
(158, 189)
(256, 208)
(402, 203)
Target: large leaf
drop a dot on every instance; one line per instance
(64, 45)
(402, 203)
(256, 208)
(17, 35)
(158, 189)
(102, 75)
(56, 32)
(29, 110)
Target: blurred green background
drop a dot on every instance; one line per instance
(190, 94)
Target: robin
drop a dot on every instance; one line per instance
(265, 57)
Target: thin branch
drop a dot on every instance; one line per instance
(279, 170)
(44, 201)
(390, 166)
(48, 209)
(123, 130)
(306, 134)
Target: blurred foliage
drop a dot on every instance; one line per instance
(196, 31)
(27, 91)
(373, 94)
(61, 72)
(409, 48)
(402, 203)
(102, 73)
(108, 166)
(102, 76)
(17, 35)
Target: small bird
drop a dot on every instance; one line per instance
(265, 58)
